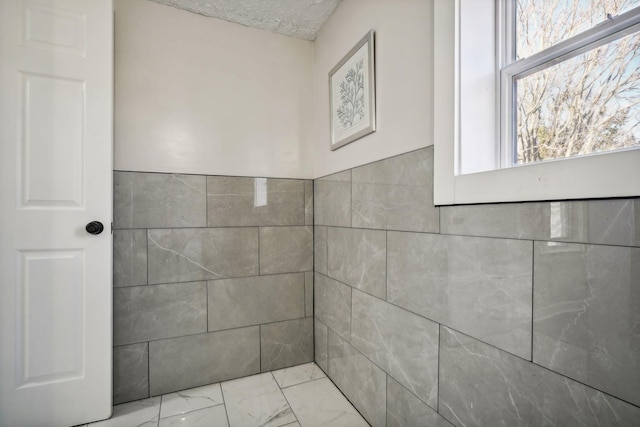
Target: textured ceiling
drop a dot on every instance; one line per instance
(296, 18)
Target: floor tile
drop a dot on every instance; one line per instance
(207, 417)
(190, 400)
(141, 413)
(256, 401)
(298, 374)
(320, 403)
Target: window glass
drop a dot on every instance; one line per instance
(587, 104)
(540, 24)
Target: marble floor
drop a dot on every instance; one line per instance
(297, 396)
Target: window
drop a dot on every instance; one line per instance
(536, 99)
(571, 81)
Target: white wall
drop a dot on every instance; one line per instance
(201, 95)
(404, 78)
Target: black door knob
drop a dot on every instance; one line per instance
(94, 227)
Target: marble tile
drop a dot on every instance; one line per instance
(236, 201)
(396, 193)
(395, 207)
(141, 413)
(358, 258)
(129, 258)
(195, 360)
(191, 400)
(308, 293)
(319, 403)
(145, 313)
(130, 372)
(612, 222)
(406, 410)
(296, 424)
(586, 315)
(609, 222)
(404, 344)
(255, 300)
(256, 401)
(284, 344)
(158, 200)
(286, 249)
(320, 249)
(636, 223)
(343, 176)
(207, 417)
(362, 382)
(405, 169)
(333, 304)
(509, 220)
(298, 374)
(320, 338)
(332, 200)
(202, 254)
(481, 385)
(308, 202)
(479, 286)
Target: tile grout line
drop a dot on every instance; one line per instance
(438, 377)
(386, 396)
(285, 399)
(206, 290)
(541, 239)
(193, 410)
(533, 269)
(260, 347)
(386, 265)
(146, 243)
(313, 269)
(351, 198)
(259, 243)
(148, 369)
(224, 402)
(216, 279)
(206, 201)
(342, 393)
(422, 316)
(544, 367)
(215, 331)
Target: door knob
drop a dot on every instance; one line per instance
(94, 227)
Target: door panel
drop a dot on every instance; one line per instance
(41, 326)
(51, 144)
(56, 176)
(52, 27)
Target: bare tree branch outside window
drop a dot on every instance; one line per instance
(589, 103)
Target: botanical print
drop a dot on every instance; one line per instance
(352, 96)
(351, 105)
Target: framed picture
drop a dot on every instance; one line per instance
(352, 94)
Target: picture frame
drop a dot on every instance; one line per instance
(352, 94)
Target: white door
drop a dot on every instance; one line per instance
(55, 177)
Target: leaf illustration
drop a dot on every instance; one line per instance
(351, 90)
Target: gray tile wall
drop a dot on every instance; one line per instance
(509, 314)
(212, 279)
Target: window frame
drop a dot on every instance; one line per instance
(570, 178)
